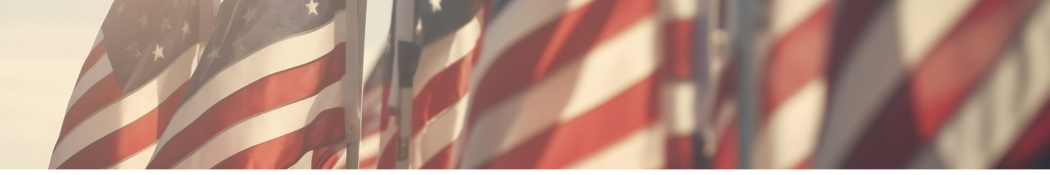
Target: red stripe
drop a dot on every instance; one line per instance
(680, 152)
(128, 140)
(567, 143)
(726, 153)
(279, 88)
(100, 94)
(368, 163)
(441, 92)
(92, 58)
(938, 85)
(796, 59)
(326, 157)
(1033, 141)
(678, 50)
(282, 152)
(388, 157)
(678, 39)
(554, 45)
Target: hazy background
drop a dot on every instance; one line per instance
(42, 46)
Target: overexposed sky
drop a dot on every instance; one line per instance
(42, 46)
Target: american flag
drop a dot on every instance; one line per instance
(450, 33)
(917, 84)
(131, 83)
(891, 84)
(267, 90)
(567, 84)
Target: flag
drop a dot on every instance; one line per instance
(677, 87)
(133, 80)
(450, 33)
(566, 84)
(793, 87)
(916, 84)
(267, 90)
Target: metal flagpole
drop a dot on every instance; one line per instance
(352, 80)
(746, 26)
(406, 52)
(701, 58)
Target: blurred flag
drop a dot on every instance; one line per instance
(567, 84)
(918, 84)
(131, 83)
(677, 87)
(793, 87)
(450, 35)
(267, 90)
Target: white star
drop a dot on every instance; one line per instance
(214, 52)
(158, 52)
(143, 21)
(419, 26)
(185, 29)
(121, 9)
(165, 25)
(435, 5)
(250, 14)
(312, 6)
(132, 47)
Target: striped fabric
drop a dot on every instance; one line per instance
(266, 92)
(567, 84)
(677, 89)
(918, 84)
(130, 84)
(451, 35)
(793, 84)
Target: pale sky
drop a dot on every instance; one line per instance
(42, 46)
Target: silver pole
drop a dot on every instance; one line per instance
(352, 80)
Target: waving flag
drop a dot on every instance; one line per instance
(267, 90)
(133, 80)
(566, 84)
(451, 36)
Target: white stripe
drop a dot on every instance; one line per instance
(448, 50)
(643, 149)
(993, 117)
(924, 23)
(263, 127)
(369, 147)
(100, 70)
(340, 162)
(867, 82)
(516, 20)
(792, 130)
(441, 131)
(126, 110)
(277, 57)
(137, 161)
(98, 39)
(681, 9)
(679, 97)
(786, 15)
(608, 70)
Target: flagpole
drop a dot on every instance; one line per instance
(352, 84)
(746, 27)
(406, 52)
